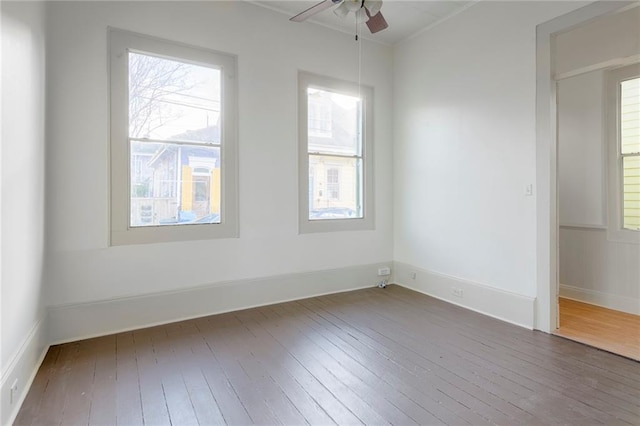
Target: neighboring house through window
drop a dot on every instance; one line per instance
(172, 141)
(335, 146)
(623, 119)
(333, 183)
(320, 114)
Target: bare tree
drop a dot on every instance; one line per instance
(152, 79)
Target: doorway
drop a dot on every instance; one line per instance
(201, 195)
(599, 180)
(547, 220)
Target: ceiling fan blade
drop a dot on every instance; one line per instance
(323, 5)
(376, 22)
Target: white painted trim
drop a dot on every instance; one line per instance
(22, 366)
(366, 93)
(2, 373)
(503, 305)
(121, 42)
(546, 318)
(626, 304)
(613, 63)
(582, 226)
(85, 320)
(546, 182)
(438, 22)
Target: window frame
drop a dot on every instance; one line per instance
(615, 209)
(121, 233)
(367, 221)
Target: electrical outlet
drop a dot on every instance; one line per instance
(13, 392)
(456, 291)
(384, 271)
(413, 275)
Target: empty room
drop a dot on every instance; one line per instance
(320, 212)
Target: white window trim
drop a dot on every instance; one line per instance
(615, 230)
(120, 42)
(367, 222)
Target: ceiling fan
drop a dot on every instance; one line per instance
(364, 10)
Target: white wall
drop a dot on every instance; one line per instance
(602, 40)
(271, 50)
(22, 195)
(581, 152)
(596, 270)
(465, 147)
(463, 106)
(593, 268)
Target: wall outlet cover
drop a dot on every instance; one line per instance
(384, 271)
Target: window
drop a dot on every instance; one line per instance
(335, 131)
(623, 118)
(173, 149)
(320, 115)
(333, 183)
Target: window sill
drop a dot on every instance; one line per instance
(625, 236)
(335, 225)
(170, 234)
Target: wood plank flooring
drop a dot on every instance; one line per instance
(374, 356)
(614, 331)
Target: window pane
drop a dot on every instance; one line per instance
(333, 122)
(174, 184)
(631, 193)
(173, 101)
(630, 116)
(335, 187)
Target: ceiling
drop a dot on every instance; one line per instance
(405, 18)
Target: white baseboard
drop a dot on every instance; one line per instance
(503, 305)
(629, 305)
(23, 366)
(79, 321)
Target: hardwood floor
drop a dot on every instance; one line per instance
(614, 331)
(374, 356)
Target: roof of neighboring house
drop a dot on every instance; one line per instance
(209, 135)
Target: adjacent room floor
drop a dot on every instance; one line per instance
(613, 331)
(373, 356)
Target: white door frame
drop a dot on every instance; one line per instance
(546, 310)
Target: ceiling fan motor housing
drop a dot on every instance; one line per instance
(359, 8)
